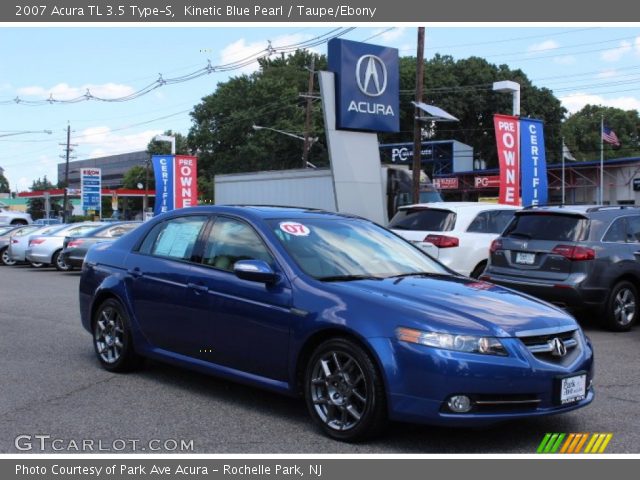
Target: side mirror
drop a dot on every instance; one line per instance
(255, 271)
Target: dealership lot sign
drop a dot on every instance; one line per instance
(367, 86)
(90, 188)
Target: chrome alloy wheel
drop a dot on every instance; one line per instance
(624, 306)
(338, 390)
(108, 335)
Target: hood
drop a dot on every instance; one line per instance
(458, 305)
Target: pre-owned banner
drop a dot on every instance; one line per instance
(164, 174)
(186, 186)
(508, 142)
(533, 163)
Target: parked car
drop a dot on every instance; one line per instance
(5, 240)
(46, 249)
(582, 258)
(364, 325)
(13, 217)
(19, 244)
(458, 234)
(75, 247)
(48, 221)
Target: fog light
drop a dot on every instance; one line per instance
(459, 404)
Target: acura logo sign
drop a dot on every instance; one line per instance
(371, 75)
(558, 348)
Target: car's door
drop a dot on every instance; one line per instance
(157, 277)
(240, 324)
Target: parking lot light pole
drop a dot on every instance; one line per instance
(288, 134)
(167, 138)
(507, 86)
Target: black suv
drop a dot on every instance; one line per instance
(582, 258)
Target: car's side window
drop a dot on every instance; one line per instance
(633, 223)
(492, 221)
(617, 231)
(231, 240)
(175, 238)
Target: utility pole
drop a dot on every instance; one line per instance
(66, 156)
(417, 136)
(307, 123)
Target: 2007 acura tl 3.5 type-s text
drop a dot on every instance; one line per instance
(362, 324)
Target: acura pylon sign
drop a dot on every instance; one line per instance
(367, 86)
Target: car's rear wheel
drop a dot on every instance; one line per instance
(344, 391)
(5, 258)
(479, 270)
(112, 339)
(622, 307)
(59, 262)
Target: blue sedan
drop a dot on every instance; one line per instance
(360, 323)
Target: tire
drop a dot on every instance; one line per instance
(479, 270)
(344, 391)
(622, 307)
(59, 262)
(19, 222)
(5, 258)
(112, 339)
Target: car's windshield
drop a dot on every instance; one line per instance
(334, 249)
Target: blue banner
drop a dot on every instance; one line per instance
(367, 86)
(163, 169)
(533, 163)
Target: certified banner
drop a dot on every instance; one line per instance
(186, 181)
(508, 142)
(533, 163)
(164, 174)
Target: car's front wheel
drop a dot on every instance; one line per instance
(59, 262)
(112, 338)
(622, 307)
(344, 391)
(5, 258)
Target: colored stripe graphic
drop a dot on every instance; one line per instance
(574, 442)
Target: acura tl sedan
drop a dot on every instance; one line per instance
(359, 322)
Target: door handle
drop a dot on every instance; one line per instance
(199, 288)
(135, 272)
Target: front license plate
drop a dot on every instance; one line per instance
(573, 389)
(525, 258)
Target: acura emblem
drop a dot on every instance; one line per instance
(558, 348)
(371, 75)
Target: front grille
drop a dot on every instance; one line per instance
(556, 348)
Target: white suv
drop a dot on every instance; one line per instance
(458, 234)
(13, 218)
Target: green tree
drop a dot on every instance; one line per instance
(138, 175)
(36, 206)
(155, 147)
(464, 89)
(222, 132)
(581, 132)
(4, 184)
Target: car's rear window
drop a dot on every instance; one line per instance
(548, 226)
(428, 219)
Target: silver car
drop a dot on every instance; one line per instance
(19, 243)
(46, 249)
(5, 240)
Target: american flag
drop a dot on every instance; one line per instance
(610, 136)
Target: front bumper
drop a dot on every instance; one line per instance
(421, 379)
(37, 257)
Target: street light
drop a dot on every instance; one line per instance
(311, 140)
(167, 138)
(507, 86)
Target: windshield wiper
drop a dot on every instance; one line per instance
(347, 278)
(402, 276)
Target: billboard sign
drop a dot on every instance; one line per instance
(446, 183)
(508, 143)
(176, 182)
(533, 162)
(90, 188)
(367, 86)
(487, 181)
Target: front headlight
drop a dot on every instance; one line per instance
(447, 341)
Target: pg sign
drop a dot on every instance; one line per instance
(367, 86)
(176, 182)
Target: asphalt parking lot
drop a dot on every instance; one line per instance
(52, 385)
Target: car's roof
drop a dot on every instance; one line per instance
(457, 206)
(584, 209)
(264, 211)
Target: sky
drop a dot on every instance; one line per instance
(580, 64)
